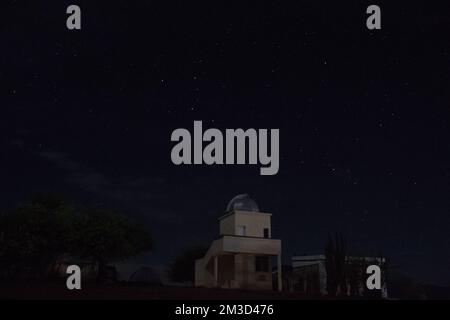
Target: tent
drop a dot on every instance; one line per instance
(146, 275)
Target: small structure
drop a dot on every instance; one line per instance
(286, 278)
(310, 275)
(89, 268)
(241, 257)
(146, 275)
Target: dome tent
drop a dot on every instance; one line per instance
(146, 275)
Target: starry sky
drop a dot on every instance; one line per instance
(363, 115)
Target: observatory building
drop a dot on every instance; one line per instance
(242, 256)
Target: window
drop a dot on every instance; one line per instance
(262, 263)
(240, 230)
(266, 232)
(261, 277)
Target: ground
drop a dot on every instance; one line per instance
(133, 292)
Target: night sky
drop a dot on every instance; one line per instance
(364, 118)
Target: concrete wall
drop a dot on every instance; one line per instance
(299, 262)
(204, 267)
(254, 222)
(227, 225)
(234, 271)
(199, 280)
(226, 268)
(246, 275)
(251, 245)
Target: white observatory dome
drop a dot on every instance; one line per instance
(242, 202)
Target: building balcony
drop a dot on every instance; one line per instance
(252, 245)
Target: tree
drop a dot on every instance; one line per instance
(105, 236)
(357, 267)
(335, 265)
(330, 267)
(33, 236)
(183, 268)
(341, 260)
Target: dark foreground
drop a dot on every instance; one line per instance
(134, 292)
(126, 291)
